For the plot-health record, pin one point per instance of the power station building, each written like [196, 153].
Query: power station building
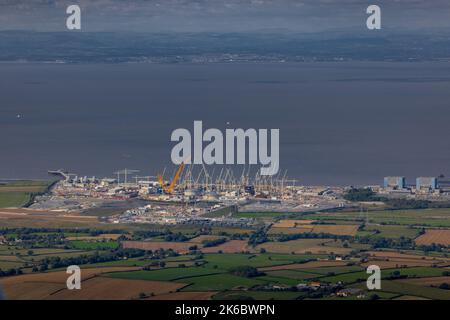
[394, 183]
[426, 184]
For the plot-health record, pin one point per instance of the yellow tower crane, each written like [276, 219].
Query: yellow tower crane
[169, 189]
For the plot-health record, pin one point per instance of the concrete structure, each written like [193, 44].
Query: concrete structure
[394, 183]
[426, 184]
[191, 192]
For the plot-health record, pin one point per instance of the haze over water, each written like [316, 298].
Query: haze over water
[340, 123]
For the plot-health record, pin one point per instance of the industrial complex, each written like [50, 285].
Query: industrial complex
[193, 196]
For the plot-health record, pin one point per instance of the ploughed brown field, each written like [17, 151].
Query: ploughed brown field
[101, 288]
[42, 285]
[430, 281]
[180, 247]
[398, 255]
[302, 229]
[291, 223]
[434, 236]
[403, 263]
[315, 246]
[292, 227]
[200, 239]
[19, 218]
[232, 246]
[340, 230]
[386, 259]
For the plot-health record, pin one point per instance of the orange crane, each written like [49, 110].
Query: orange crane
[169, 189]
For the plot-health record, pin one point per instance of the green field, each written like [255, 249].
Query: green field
[227, 261]
[212, 264]
[13, 199]
[278, 280]
[218, 282]
[184, 257]
[94, 245]
[390, 231]
[260, 215]
[132, 262]
[26, 183]
[5, 265]
[420, 217]
[66, 254]
[16, 257]
[362, 275]
[294, 257]
[18, 193]
[402, 288]
[19, 251]
[336, 270]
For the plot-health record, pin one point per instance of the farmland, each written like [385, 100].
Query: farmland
[434, 236]
[340, 230]
[18, 193]
[414, 291]
[209, 275]
[352, 277]
[181, 247]
[422, 217]
[390, 231]
[292, 227]
[93, 245]
[232, 246]
[304, 256]
[428, 281]
[306, 265]
[43, 285]
[286, 223]
[116, 289]
[13, 199]
[315, 246]
[219, 282]
[166, 274]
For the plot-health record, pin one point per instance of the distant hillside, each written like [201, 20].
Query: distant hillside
[83, 47]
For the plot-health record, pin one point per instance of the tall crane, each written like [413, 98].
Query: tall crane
[125, 173]
[169, 189]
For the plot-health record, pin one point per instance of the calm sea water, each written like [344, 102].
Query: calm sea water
[340, 123]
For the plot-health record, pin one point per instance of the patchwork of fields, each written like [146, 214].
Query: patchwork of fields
[210, 278]
[298, 256]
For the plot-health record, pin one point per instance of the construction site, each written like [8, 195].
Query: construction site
[190, 194]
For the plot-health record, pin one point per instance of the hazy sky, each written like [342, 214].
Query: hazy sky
[222, 15]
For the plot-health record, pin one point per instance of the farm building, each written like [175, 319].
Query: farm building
[349, 292]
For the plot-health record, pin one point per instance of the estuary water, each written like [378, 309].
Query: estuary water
[340, 123]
